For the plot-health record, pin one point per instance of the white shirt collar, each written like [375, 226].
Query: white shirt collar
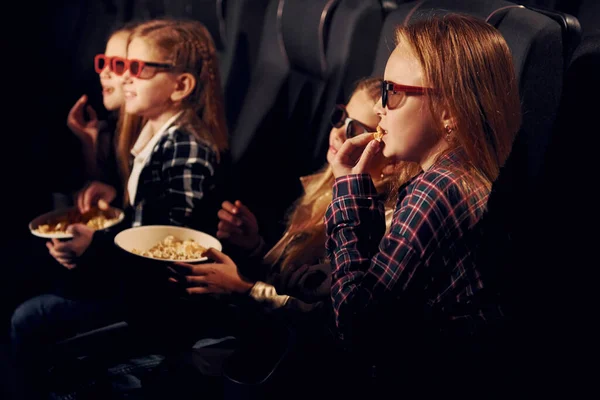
[142, 149]
[142, 144]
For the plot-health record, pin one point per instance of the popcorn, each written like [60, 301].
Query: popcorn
[379, 134]
[172, 248]
[94, 219]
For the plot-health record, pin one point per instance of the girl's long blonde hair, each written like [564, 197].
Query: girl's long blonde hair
[190, 48]
[304, 238]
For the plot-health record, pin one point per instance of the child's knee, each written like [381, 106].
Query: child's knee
[29, 318]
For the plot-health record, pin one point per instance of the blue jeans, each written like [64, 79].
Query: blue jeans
[40, 322]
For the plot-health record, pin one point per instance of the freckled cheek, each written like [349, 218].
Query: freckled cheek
[337, 137]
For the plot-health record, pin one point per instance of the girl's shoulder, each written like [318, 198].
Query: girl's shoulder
[438, 184]
[448, 172]
[184, 137]
[181, 143]
[452, 187]
[181, 134]
[438, 177]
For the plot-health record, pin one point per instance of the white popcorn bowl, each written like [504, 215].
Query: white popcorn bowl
[142, 238]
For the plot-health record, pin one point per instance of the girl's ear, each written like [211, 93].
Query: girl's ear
[448, 121]
[184, 85]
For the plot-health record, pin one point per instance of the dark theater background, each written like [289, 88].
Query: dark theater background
[47, 64]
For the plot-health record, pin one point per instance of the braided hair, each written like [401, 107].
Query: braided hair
[189, 47]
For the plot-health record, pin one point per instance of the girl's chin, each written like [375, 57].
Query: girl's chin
[112, 100]
[111, 105]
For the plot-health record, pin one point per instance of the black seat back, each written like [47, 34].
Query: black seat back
[302, 67]
[566, 205]
[243, 27]
[588, 14]
[262, 110]
[284, 92]
[556, 297]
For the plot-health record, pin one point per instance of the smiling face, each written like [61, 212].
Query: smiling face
[112, 90]
[410, 131]
[360, 108]
[151, 97]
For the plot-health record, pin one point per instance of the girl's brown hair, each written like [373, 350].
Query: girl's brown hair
[128, 126]
[190, 48]
[128, 130]
[304, 238]
[470, 65]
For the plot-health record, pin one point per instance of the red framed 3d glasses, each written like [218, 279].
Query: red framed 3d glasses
[398, 92]
[137, 68]
[101, 61]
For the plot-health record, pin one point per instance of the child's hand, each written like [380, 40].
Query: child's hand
[67, 252]
[86, 131]
[238, 225]
[219, 277]
[95, 194]
[356, 155]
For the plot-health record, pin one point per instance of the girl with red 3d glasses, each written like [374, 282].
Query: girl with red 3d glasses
[413, 302]
[173, 85]
[170, 170]
[98, 136]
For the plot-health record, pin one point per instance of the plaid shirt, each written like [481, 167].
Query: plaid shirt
[173, 185]
[423, 266]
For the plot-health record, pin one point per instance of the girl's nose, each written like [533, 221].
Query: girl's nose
[338, 137]
[378, 109]
[126, 77]
[106, 73]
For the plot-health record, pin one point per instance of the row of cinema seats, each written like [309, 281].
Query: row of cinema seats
[278, 91]
[287, 62]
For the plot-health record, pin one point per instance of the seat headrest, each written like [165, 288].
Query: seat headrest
[483, 9]
[304, 28]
